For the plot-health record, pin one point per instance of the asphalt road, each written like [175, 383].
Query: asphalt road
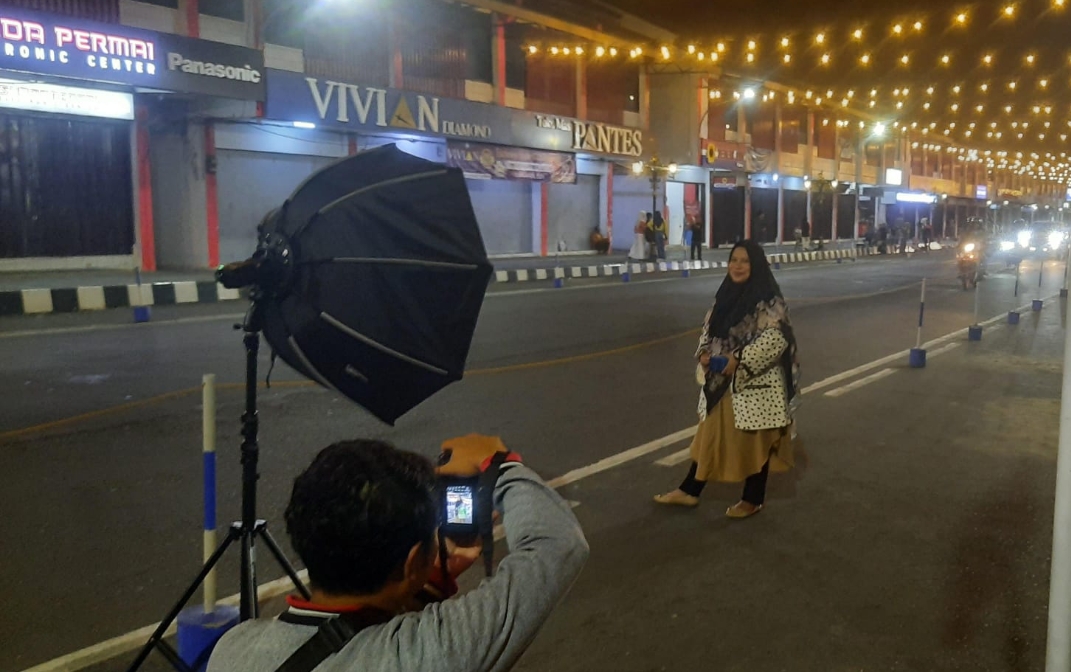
[847, 570]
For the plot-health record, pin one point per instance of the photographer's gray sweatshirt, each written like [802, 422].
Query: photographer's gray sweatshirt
[484, 630]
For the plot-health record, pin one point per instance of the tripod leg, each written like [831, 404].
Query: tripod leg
[249, 608]
[280, 557]
[158, 635]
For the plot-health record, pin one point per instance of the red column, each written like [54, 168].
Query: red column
[193, 18]
[146, 232]
[211, 196]
[544, 217]
[352, 144]
[610, 203]
[500, 61]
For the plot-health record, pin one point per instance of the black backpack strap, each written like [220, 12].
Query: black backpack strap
[332, 635]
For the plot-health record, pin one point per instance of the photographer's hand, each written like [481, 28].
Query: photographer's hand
[469, 455]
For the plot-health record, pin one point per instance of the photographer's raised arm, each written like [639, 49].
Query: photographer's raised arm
[487, 630]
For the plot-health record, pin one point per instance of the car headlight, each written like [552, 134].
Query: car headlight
[1024, 238]
[1056, 239]
[1006, 246]
[969, 247]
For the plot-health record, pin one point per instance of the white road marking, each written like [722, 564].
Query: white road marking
[862, 382]
[114, 327]
[940, 351]
[673, 459]
[621, 458]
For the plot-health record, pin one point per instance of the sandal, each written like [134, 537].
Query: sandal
[738, 512]
[677, 498]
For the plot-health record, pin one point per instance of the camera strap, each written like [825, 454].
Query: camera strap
[485, 512]
[333, 633]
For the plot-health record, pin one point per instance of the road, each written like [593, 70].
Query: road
[909, 502]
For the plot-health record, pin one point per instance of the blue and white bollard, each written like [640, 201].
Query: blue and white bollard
[141, 313]
[974, 332]
[625, 276]
[200, 627]
[1013, 315]
[559, 283]
[1037, 304]
[917, 357]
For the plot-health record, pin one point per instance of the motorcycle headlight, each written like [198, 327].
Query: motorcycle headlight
[1006, 246]
[969, 247]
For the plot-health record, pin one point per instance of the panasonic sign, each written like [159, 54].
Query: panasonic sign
[244, 73]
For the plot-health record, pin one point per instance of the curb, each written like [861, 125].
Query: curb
[78, 299]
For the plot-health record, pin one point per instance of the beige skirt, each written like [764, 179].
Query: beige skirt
[726, 454]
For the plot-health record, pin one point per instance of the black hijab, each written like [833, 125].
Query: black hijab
[734, 301]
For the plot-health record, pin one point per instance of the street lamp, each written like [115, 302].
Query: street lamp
[656, 171]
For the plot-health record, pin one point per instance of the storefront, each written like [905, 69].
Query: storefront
[539, 184]
[76, 101]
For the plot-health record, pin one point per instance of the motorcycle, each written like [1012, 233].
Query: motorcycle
[968, 259]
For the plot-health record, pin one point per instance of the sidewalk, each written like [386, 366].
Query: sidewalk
[33, 293]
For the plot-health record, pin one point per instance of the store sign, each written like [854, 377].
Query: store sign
[981, 192]
[495, 162]
[907, 197]
[722, 182]
[724, 155]
[294, 97]
[1011, 193]
[894, 177]
[66, 100]
[63, 46]
[596, 137]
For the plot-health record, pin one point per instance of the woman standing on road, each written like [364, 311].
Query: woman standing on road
[747, 357]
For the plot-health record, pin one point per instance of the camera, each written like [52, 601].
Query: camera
[460, 504]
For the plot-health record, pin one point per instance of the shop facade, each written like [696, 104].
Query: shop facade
[539, 184]
[78, 102]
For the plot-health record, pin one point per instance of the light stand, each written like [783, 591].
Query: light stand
[249, 528]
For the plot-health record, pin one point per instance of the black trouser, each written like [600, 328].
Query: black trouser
[754, 486]
[697, 249]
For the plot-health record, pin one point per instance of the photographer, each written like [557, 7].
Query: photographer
[363, 518]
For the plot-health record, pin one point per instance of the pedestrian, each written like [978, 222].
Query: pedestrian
[797, 235]
[761, 227]
[696, 253]
[805, 232]
[747, 369]
[639, 238]
[649, 237]
[661, 232]
[599, 242]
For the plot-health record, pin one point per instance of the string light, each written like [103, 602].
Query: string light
[864, 59]
[788, 58]
[988, 59]
[785, 42]
[1009, 11]
[858, 34]
[898, 29]
[820, 38]
[600, 52]
[961, 18]
[721, 47]
[905, 59]
[751, 45]
[918, 25]
[825, 59]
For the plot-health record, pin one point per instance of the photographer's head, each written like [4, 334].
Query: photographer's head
[363, 518]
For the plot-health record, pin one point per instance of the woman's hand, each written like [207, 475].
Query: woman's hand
[730, 368]
[704, 360]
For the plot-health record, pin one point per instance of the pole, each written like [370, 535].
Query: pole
[1058, 651]
[922, 311]
[208, 433]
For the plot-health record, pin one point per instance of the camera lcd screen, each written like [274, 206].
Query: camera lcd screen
[459, 501]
